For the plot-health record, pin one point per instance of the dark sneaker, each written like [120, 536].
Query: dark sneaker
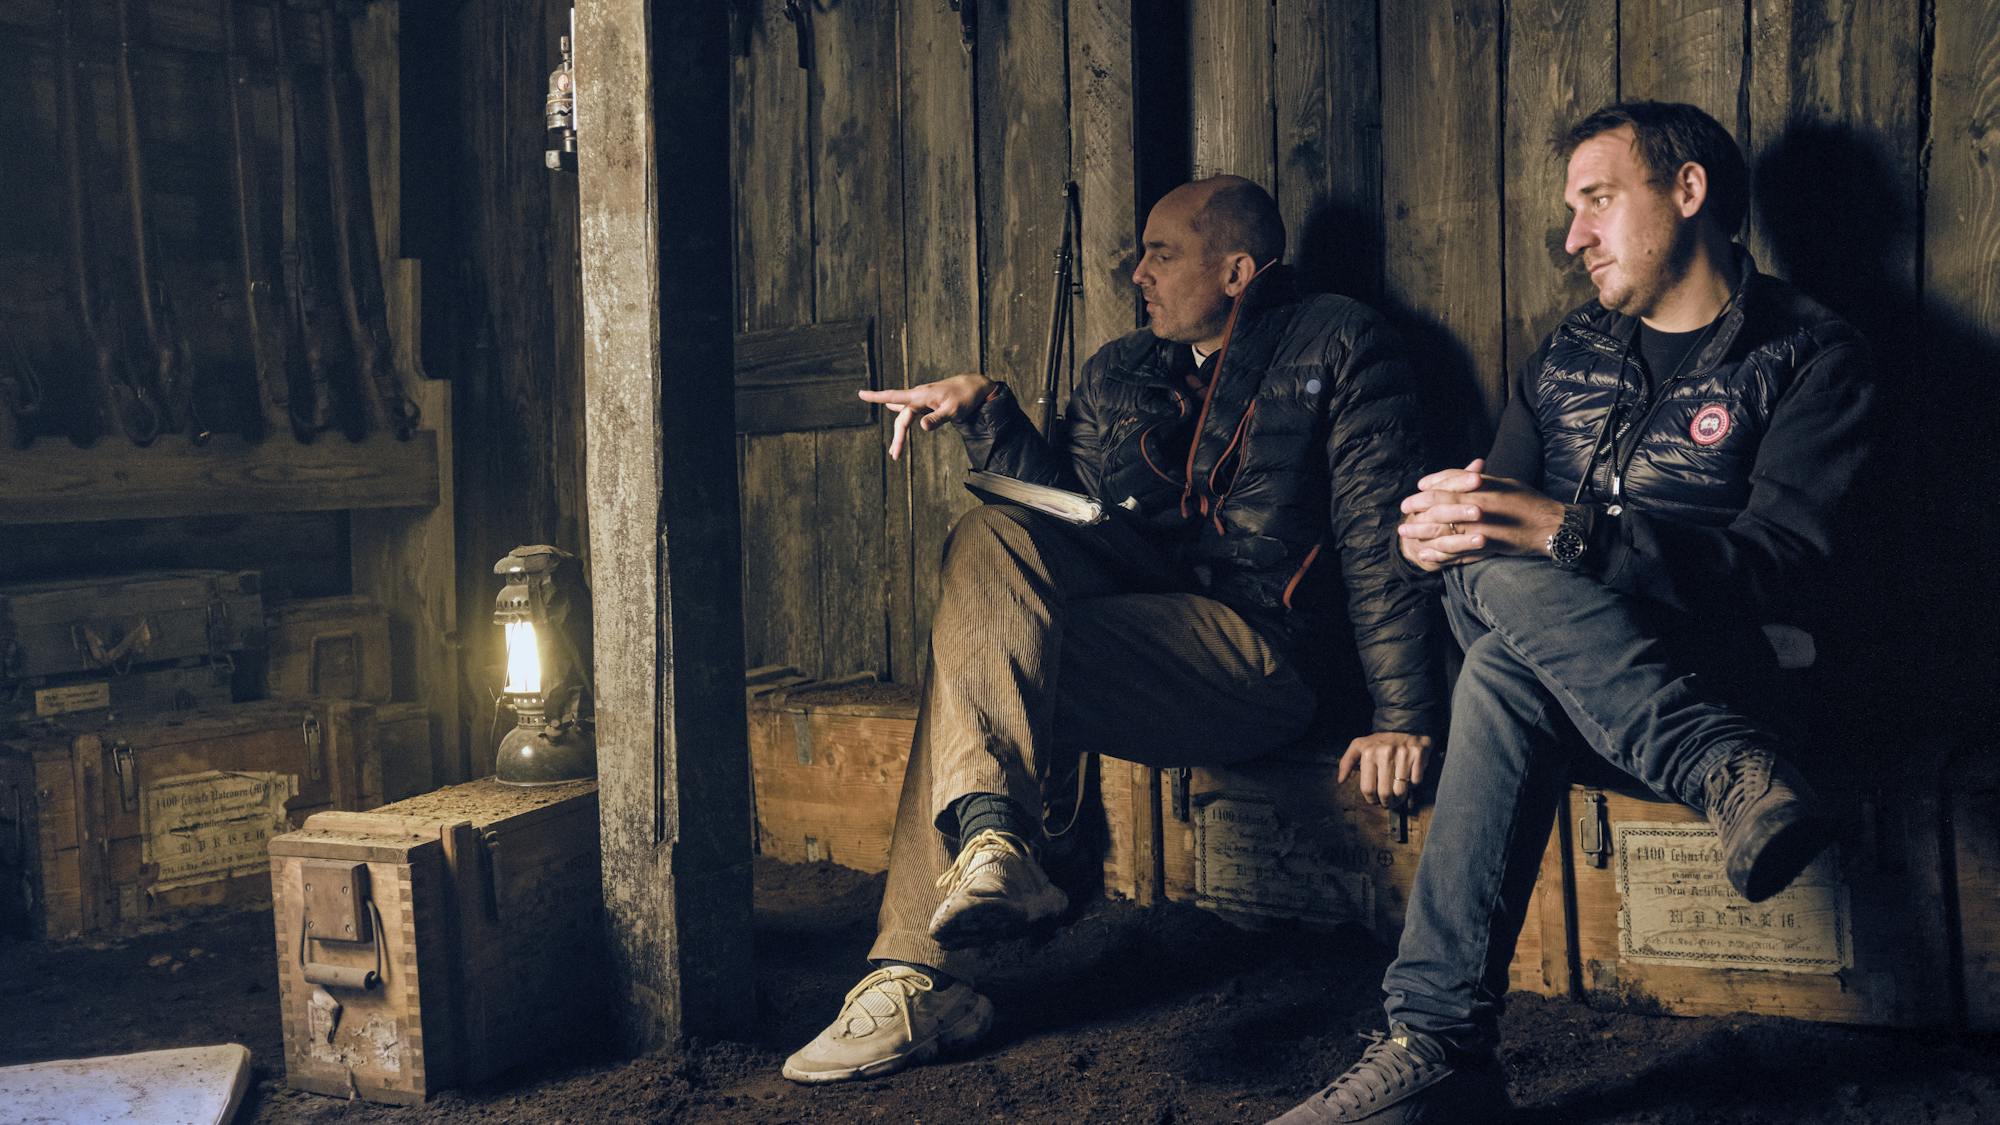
[1403, 1079]
[994, 891]
[1767, 818]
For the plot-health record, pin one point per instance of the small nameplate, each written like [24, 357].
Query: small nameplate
[1247, 859]
[71, 698]
[210, 826]
[1676, 907]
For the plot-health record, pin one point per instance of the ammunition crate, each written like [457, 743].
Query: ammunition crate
[335, 648]
[827, 761]
[1861, 937]
[107, 626]
[438, 941]
[142, 819]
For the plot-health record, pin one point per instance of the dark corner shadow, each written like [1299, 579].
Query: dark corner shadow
[1910, 650]
[1731, 1075]
[1340, 251]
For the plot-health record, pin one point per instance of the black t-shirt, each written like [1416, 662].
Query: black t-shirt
[1667, 354]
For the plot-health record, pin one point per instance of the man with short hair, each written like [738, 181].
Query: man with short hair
[1666, 479]
[1252, 448]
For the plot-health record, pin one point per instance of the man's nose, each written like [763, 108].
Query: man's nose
[1581, 235]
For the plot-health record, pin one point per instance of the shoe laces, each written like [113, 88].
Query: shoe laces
[1388, 1065]
[990, 845]
[884, 993]
[1736, 781]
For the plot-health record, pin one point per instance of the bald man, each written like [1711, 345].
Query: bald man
[1253, 446]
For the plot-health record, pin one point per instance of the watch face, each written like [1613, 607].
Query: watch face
[1566, 545]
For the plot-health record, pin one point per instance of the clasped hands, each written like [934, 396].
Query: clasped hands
[931, 405]
[1458, 516]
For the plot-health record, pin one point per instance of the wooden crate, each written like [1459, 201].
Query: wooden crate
[140, 819]
[76, 702]
[95, 626]
[1974, 802]
[481, 917]
[332, 647]
[1277, 840]
[827, 761]
[1860, 938]
[393, 748]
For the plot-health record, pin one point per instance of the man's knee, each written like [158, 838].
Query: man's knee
[988, 536]
[1506, 590]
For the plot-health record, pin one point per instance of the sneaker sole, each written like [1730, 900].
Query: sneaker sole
[1790, 851]
[969, 1029]
[986, 922]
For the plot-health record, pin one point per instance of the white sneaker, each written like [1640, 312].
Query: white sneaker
[893, 1018]
[993, 891]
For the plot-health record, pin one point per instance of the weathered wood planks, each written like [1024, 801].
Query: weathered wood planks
[771, 172]
[1561, 63]
[672, 762]
[1685, 51]
[857, 231]
[1440, 186]
[1327, 100]
[1230, 56]
[941, 277]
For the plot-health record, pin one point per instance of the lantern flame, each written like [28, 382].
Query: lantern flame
[524, 660]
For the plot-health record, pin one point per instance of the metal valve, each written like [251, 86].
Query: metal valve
[560, 109]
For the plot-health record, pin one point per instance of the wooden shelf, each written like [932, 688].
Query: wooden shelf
[54, 482]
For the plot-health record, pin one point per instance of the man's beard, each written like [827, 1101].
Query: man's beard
[1641, 296]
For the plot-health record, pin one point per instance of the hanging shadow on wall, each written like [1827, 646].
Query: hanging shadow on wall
[1909, 654]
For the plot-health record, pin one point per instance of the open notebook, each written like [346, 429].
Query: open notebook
[1058, 502]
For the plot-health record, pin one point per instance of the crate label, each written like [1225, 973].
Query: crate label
[1676, 907]
[209, 826]
[71, 698]
[1248, 859]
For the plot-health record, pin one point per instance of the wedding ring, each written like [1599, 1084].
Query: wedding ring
[1453, 527]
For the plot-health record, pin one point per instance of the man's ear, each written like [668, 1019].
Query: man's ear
[1241, 269]
[1690, 189]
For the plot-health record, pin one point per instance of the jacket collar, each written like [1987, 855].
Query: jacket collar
[1273, 288]
[1612, 332]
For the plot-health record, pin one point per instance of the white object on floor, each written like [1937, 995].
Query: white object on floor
[184, 1086]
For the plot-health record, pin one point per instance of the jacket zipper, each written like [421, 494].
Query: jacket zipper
[1146, 455]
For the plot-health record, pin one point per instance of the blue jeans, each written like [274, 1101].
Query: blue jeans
[1553, 660]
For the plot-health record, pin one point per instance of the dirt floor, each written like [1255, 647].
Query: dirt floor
[1126, 1015]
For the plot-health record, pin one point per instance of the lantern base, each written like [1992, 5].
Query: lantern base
[538, 754]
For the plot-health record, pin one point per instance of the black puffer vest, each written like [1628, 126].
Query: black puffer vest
[1686, 450]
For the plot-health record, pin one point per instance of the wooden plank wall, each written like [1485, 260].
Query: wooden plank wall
[497, 235]
[906, 178]
[1407, 145]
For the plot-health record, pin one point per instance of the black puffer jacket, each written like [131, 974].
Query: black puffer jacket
[1733, 479]
[1309, 438]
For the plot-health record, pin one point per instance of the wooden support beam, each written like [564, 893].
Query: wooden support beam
[55, 482]
[673, 763]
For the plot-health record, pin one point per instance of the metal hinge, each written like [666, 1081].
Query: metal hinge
[1399, 826]
[1593, 829]
[128, 776]
[309, 733]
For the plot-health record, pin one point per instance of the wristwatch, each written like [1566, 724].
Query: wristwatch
[1571, 538]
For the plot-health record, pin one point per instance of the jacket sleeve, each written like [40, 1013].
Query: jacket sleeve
[1810, 460]
[1000, 438]
[1375, 455]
